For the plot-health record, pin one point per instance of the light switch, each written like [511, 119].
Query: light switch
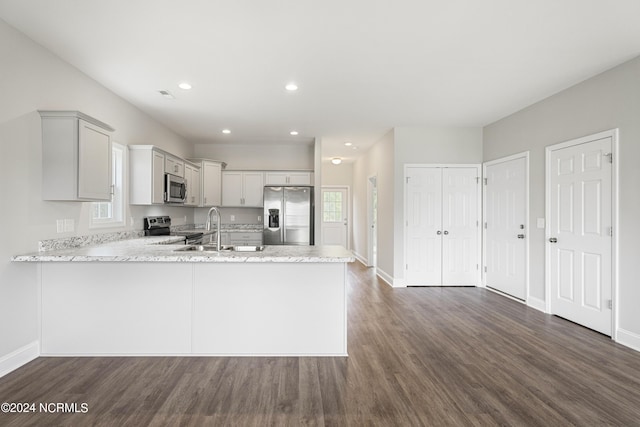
[232, 217]
[540, 223]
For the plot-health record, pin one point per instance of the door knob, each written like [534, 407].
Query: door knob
[446, 232]
[438, 232]
[553, 240]
[520, 236]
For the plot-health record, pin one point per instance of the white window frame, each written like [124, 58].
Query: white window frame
[118, 197]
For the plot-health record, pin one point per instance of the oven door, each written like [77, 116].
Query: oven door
[175, 190]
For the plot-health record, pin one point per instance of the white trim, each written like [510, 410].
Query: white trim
[628, 339]
[384, 276]
[479, 249]
[361, 259]
[348, 203]
[19, 357]
[613, 134]
[528, 234]
[370, 257]
[537, 303]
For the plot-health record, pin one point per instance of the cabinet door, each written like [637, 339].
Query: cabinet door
[232, 188]
[211, 183]
[299, 178]
[174, 166]
[253, 189]
[192, 179]
[157, 171]
[94, 162]
[276, 178]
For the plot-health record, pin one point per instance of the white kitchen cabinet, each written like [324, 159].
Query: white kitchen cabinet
[174, 165]
[192, 180]
[146, 172]
[243, 189]
[288, 178]
[76, 157]
[210, 181]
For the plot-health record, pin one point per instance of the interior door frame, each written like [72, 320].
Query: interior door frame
[348, 205]
[478, 168]
[372, 232]
[613, 134]
[528, 233]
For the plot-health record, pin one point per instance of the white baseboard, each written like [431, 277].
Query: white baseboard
[628, 339]
[360, 258]
[537, 303]
[388, 279]
[19, 357]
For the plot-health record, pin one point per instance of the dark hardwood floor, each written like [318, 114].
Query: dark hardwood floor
[417, 356]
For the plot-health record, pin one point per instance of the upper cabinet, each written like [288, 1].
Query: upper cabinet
[192, 180]
[288, 178]
[210, 183]
[76, 157]
[242, 189]
[146, 173]
[173, 165]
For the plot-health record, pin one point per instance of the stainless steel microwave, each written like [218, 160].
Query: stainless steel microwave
[175, 189]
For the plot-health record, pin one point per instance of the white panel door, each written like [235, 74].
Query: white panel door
[460, 226]
[505, 221]
[334, 216]
[424, 221]
[580, 246]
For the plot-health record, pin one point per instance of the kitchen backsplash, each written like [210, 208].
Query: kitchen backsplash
[232, 216]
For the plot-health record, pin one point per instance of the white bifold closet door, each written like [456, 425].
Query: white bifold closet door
[442, 226]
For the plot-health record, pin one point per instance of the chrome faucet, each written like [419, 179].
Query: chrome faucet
[214, 209]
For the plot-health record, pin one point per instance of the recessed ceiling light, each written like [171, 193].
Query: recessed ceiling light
[348, 144]
[294, 132]
[226, 131]
[336, 160]
[166, 94]
[184, 85]
[354, 148]
[291, 87]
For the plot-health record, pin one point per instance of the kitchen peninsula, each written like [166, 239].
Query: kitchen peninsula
[143, 297]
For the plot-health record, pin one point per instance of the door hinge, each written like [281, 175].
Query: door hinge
[485, 225]
[486, 180]
[477, 266]
[407, 179]
[610, 157]
[477, 179]
[610, 231]
[485, 268]
[477, 224]
[610, 304]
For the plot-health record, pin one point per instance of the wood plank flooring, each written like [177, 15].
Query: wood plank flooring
[417, 356]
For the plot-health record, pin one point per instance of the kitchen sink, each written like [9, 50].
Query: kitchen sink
[223, 248]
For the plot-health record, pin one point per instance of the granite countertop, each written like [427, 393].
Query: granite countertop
[162, 249]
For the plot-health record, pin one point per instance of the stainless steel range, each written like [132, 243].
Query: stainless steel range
[161, 226]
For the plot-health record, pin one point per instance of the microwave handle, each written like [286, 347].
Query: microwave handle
[183, 191]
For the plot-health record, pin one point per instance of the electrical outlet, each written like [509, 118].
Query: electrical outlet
[59, 225]
[232, 217]
[69, 225]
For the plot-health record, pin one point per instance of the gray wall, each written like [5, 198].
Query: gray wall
[607, 101]
[32, 79]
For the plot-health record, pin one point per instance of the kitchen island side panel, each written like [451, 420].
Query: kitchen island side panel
[279, 309]
[105, 308]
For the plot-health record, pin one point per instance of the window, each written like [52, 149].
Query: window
[111, 214]
[332, 206]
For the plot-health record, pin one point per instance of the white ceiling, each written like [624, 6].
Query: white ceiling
[363, 66]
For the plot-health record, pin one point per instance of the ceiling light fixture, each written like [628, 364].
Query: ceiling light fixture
[184, 86]
[291, 87]
[166, 94]
[348, 144]
[226, 131]
[294, 132]
[336, 160]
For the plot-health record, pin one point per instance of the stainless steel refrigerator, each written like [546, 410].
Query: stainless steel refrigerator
[288, 215]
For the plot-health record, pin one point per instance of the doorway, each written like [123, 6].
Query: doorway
[506, 222]
[335, 216]
[581, 212]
